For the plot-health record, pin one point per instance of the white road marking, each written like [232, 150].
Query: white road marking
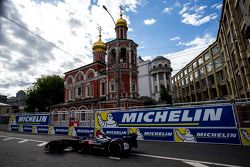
[115, 158]
[195, 164]
[23, 141]
[186, 160]
[42, 144]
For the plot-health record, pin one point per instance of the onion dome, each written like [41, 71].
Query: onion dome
[121, 22]
[99, 46]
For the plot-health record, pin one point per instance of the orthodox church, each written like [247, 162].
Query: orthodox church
[110, 81]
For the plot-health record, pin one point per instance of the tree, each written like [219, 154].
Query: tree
[164, 96]
[46, 91]
[147, 101]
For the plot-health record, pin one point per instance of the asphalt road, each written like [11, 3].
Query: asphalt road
[26, 150]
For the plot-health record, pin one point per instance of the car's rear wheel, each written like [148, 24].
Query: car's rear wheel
[115, 149]
[56, 147]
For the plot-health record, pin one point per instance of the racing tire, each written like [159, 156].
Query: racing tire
[115, 149]
[56, 147]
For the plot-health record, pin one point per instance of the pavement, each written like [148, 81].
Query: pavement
[26, 150]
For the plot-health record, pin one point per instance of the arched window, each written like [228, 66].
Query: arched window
[123, 55]
[132, 57]
[133, 86]
[160, 65]
[113, 56]
[112, 85]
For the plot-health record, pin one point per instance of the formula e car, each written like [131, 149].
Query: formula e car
[104, 144]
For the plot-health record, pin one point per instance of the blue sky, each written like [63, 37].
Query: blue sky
[156, 37]
[176, 29]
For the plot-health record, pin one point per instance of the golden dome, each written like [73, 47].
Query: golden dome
[121, 22]
[99, 46]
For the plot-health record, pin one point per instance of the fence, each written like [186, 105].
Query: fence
[224, 122]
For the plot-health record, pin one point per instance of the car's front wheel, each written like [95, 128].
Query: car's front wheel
[115, 149]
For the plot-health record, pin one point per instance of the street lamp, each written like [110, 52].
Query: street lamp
[117, 68]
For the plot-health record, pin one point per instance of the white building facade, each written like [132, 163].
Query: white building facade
[153, 74]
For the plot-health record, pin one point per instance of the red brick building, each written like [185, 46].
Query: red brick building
[97, 85]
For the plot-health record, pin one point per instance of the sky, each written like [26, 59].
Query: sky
[46, 37]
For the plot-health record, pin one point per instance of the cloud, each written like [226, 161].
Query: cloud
[149, 21]
[175, 38]
[180, 59]
[195, 15]
[167, 10]
[70, 25]
[217, 6]
[194, 48]
[196, 19]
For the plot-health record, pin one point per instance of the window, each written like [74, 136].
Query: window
[197, 85]
[112, 85]
[156, 88]
[154, 76]
[83, 116]
[238, 80]
[196, 75]
[113, 56]
[185, 72]
[217, 62]
[88, 90]
[70, 94]
[123, 55]
[189, 68]
[63, 116]
[181, 74]
[182, 82]
[79, 91]
[166, 65]
[160, 65]
[207, 56]
[133, 57]
[187, 81]
[200, 61]
[209, 67]
[246, 35]
[161, 76]
[194, 65]
[133, 86]
[102, 88]
[219, 76]
[215, 50]
[191, 78]
[202, 73]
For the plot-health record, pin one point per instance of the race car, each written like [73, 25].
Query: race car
[103, 144]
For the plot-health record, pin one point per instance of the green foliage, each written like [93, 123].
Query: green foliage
[147, 101]
[46, 91]
[164, 96]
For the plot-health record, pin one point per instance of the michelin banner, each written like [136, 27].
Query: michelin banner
[142, 133]
[245, 136]
[15, 128]
[205, 116]
[34, 119]
[84, 131]
[207, 135]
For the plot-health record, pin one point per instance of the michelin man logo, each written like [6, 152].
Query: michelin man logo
[139, 135]
[186, 137]
[245, 134]
[108, 123]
